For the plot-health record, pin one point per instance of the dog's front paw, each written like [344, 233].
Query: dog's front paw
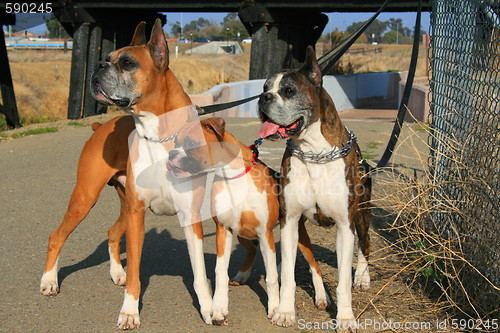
[118, 276]
[128, 321]
[362, 281]
[206, 312]
[49, 285]
[219, 318]
[219, 311]
[283, 318]
[323, 303]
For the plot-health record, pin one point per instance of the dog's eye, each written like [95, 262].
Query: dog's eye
[289, 91]
[125, 63]
[190, 144]
[266, 87]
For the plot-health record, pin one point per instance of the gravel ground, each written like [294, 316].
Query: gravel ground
[37, 177]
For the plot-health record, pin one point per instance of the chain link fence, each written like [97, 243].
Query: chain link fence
[465, 140]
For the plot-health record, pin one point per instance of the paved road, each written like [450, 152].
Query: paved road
[37, 174]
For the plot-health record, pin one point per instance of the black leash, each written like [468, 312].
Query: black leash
[329, 59]
[396, 130]
[203, 110]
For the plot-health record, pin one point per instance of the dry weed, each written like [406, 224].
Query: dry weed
[434, 248]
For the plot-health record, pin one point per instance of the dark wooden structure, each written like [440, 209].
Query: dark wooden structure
[9, 106]
[99, 27]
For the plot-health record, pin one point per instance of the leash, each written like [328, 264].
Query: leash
[329, 59]
[396, 130]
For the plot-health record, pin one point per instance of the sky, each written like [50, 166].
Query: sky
[340, 20]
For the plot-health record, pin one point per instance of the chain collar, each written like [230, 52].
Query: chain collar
[323, 157]
[173, 136]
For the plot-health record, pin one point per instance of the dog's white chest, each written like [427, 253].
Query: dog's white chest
[150, 171]
[312, 185]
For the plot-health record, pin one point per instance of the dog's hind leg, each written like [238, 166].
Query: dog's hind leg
[246, 269]
[362, 274]
[115, 234]
[85, 195]
[322, 300]
[362, 223]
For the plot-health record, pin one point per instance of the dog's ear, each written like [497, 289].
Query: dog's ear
[287, 62]
[158, 46]
[310, 68]
[139, 35]
[217, 125]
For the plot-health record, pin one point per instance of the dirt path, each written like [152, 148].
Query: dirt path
[37, 177]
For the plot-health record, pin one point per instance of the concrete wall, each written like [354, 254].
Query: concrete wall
[418, 105]
[347, 91]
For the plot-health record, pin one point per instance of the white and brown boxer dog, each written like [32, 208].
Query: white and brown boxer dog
[251, 213]
[323, 180]
[137, 77]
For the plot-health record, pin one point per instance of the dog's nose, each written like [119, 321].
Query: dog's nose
[172, 154]
[102, 65]
[267, 97]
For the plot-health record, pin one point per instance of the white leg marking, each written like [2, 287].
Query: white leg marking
[285, 316]
[269, 257]
[221, 298]
[201, 287]
[48, 284]
[129, 314]
[322, 301]
[362, 275]
[116, 270]
[345, 248]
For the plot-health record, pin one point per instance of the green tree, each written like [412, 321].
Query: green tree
[231, 26]
[334, 37]
[376, 28]
[395, 24]
[393, 37]
[176, 29]
[55, 28]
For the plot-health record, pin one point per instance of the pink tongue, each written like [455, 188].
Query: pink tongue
[268, 128]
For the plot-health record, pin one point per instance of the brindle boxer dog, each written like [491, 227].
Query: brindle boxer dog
[324, 180]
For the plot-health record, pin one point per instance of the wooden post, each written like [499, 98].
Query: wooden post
[107, 46]
[9, 108]
[273, 30]
[78, 65]
[93, 56]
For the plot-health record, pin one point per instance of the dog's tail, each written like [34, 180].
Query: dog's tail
[96, 125]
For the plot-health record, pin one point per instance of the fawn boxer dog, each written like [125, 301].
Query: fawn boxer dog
[136, 77]
[324, 180]
[253, 214]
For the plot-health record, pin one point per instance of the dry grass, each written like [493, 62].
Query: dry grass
[41, 78]
[434, 253]
[391, 58]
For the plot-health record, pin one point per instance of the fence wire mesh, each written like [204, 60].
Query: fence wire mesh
[465, 107]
